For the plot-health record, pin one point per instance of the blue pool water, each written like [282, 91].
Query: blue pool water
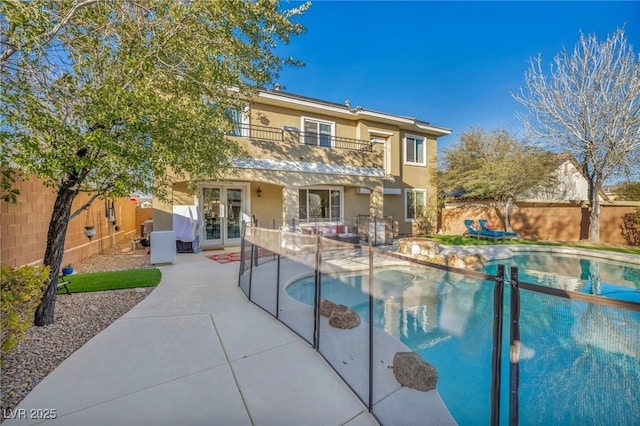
[580, 364]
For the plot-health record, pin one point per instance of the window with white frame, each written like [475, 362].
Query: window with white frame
[317, 132]
[415, 203]
[240, 117]
[415, 150]
[320, 203]
[386, 143]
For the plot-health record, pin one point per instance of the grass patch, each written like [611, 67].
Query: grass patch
[459, 240]
[116, 280]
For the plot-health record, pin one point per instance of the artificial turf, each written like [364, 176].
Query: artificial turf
[100, 281]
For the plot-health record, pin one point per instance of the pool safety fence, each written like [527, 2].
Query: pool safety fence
[356, 230]
[391, 303]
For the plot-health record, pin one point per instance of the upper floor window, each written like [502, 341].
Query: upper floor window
[415, 150]
[240, 118]
[386, 143]
[317, 132]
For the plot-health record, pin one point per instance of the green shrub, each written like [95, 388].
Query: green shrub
[22, 290]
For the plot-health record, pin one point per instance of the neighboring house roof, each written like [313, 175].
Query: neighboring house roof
[344, 110]
[571, 186]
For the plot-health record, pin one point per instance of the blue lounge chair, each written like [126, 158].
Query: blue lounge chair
[491, 235]
[510, 235]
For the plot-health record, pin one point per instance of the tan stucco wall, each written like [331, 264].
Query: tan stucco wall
[355, 204]
[279, 194]
[276, 116]
[269, 206]
[280, 188]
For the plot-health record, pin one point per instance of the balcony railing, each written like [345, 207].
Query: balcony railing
[258, 132]
[266, 133]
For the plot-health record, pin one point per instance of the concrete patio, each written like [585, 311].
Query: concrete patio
[195, 351]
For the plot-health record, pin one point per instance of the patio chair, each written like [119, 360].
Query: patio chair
[506, 234]
[478, 232]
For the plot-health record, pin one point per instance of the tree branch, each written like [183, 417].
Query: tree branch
[89, 202]
[12, 49]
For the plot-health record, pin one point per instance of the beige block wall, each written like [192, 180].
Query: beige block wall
[24, 225]
[544, 221]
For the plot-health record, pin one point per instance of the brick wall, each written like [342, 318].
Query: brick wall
[545, 221]
[23, 226]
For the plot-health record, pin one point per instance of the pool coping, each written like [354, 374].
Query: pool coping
[502, 252]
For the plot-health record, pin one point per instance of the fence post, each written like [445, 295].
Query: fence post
[375, 230]
[242, 259]
[251, 270]
[316, 297]
[496, 356]
[278, 286]
[254, 252]
[370, 404]
[514, 352]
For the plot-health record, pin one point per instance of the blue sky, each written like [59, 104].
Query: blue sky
[452, 64]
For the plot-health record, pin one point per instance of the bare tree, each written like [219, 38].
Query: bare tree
[588, 106]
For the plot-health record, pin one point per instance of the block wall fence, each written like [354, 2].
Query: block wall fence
[24, 225]
[545, 221]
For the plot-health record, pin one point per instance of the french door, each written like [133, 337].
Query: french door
[224, 207]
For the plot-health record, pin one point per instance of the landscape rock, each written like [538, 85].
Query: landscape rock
[438, 259]
[418, 246]
[326, 307]
[474, 261]
[456, 261]
[343, 317]
[429, 251]
[413, 372]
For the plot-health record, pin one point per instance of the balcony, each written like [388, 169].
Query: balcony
[265, 133]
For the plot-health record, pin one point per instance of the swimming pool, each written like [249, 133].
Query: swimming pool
[588, 275]
[580, 363]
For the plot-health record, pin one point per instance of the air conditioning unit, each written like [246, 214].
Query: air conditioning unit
[163, 247]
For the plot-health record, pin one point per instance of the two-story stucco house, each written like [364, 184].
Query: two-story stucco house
[312, 160]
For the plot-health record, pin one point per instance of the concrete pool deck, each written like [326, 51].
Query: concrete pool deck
[195, 351]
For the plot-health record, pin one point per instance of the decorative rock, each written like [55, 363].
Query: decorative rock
[438, 259]
[456, 261]
[326, 307]
[474, 261]
[343, 317]
[418, 246]
[413, 372]
[429, 251]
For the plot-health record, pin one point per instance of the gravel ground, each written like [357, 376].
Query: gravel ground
[78, 317]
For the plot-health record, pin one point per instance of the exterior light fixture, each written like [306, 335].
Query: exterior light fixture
[259, 192]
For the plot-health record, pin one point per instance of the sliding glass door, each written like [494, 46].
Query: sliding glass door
[224, 207]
